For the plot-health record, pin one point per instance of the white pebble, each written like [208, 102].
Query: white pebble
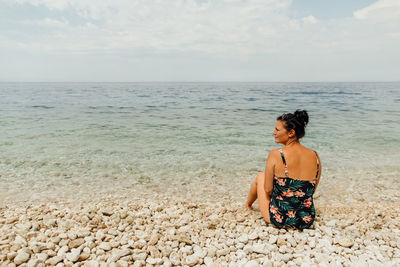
[192, 260]
[243, 239]
[252, 263]
[105, 246]
[21, 257]
[273, 239]
[74, 255]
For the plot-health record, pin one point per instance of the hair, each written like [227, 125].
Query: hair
[296, 121]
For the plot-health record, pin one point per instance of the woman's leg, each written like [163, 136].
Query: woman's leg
[257, 191]
[252, 193]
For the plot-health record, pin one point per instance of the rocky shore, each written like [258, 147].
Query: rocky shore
[197, 224]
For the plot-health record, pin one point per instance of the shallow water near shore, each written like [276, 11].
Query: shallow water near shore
[59, 135]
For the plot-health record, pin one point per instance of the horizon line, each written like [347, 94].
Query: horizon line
[382, 81]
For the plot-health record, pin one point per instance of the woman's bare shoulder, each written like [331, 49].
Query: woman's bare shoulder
[274, 153]
[308, 150]
[310, 154]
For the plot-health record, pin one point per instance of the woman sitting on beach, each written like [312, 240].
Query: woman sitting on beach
[285, 191]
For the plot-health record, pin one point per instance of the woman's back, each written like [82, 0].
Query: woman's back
[301, 163]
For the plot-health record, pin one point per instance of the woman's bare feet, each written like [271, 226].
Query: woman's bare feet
[248, 206]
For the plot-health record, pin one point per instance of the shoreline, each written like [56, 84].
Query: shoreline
[199, 223]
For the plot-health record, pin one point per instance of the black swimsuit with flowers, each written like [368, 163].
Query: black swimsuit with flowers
[292, 201]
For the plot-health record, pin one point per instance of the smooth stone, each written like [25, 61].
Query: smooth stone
[42, 257]
[33, 263]
[153, 239]
[154, 261]
[311, 243]
[141, 234]
[51, 246]
[139, 244]
[192, 260]
[140, 256]
[267, 263]
[211, 251]
[281, 242]
[239, 245]
[74, 255]
[260, 249]
[223, 252]
[116, 256]
[11, 220]
[167, 262]
[122, 263]
[20, 240]
[100, 235]
[243, 239]
[107, 212]
[186, 250]
[253, 236]
[84, 256]
[139, 263]
[242, 261]
[292, 241]
[174, 258]
[248, 249]
[208, 261]
[76, 243]
[11, 255]
[273, 239]
[331, 223]
[252, 263]
[105, 246]
[21, 257]
[346, 242]
[54, 260]
[113, 232]
[92, 263]
[72, 236]
[63, 236]
[322, 258]
[287, 257]
[62, 251]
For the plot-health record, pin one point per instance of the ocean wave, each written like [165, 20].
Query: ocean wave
[42, 106]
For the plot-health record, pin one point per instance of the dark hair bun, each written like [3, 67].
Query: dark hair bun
[296, 121]
[301, 117]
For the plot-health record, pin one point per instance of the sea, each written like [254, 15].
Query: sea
[89, 133]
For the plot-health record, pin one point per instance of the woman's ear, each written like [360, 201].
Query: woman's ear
[291, 133]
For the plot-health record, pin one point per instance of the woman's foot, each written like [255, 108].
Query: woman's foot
[248, 206]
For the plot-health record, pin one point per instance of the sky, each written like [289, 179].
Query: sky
[199, 40]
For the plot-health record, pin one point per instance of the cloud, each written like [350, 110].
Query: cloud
[208, 26]
[310, 19]
[47, 23]
[381, 10]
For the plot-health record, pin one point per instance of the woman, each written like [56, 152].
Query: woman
[285, 191]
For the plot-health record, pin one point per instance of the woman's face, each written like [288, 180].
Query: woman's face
[280, 133]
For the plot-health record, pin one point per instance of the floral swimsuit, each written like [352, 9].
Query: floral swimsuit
[291, 202]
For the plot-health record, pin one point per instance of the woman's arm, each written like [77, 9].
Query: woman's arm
[269, 173]
[319, 170]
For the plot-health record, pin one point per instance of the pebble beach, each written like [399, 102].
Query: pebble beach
[200, 224]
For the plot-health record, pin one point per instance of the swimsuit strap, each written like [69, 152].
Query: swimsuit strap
[284, 162]
[316, 177]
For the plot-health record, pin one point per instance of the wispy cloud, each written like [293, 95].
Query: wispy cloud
[208, 26]
[380, 11]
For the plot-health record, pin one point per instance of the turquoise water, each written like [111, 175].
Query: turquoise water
[161, 131]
